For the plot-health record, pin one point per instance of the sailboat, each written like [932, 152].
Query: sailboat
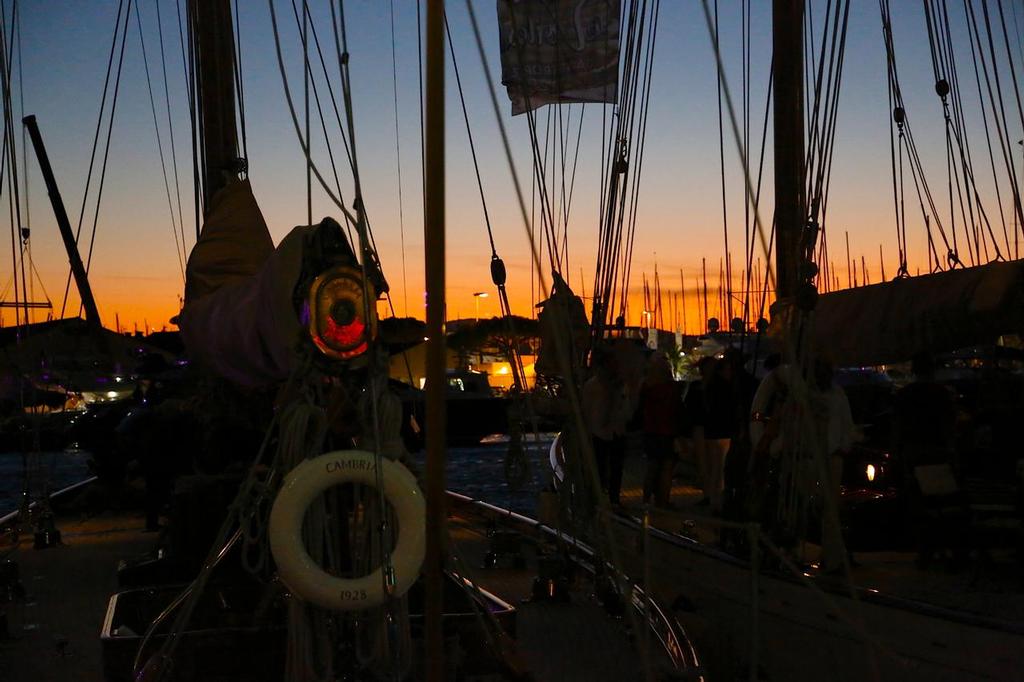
[305, 563]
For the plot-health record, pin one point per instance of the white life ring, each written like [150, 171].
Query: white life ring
[297, 569]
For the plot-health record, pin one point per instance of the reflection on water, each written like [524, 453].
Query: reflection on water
[477, 471]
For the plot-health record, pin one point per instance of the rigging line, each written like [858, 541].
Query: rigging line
[95, 142]
[24, 131]
[188, 67]
[367, 242]
[14, 186]
[303, 143]
[966, 161]
[745, 105]
[721, 150]
[988, 137]
[770, 273]
[469, 134]
[170, 125]
[198, 115]
[547, 219]
[814, 106]
[572, 180]
[831, 109]
[419, 106]
[640, 141]
[624, 137]
[570, 386]
[15, 251]
[33, 270]
[515, 360]
[304, 32]
[917, 168]
[1009, 59]
[398, 159]
[750, 246]
[998, 114]
[240, 85]
[178, 247]
[323, 120]
[106, 150]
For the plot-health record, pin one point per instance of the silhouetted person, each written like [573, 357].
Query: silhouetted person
[607, 409]
[716, 426]
[660, 408]
[924, 443]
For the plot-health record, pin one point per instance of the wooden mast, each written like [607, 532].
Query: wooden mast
[790, 200]
[434, 226]
[215, 75]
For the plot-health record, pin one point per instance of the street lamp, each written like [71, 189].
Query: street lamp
[476, 299]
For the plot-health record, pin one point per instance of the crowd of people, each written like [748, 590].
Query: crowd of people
[728, 423]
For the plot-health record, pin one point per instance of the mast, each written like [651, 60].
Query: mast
[434, 227]
[215, 53]
[790, 200]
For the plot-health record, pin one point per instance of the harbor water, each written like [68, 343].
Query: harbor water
[478, 472]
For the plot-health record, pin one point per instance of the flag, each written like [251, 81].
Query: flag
[558, 51]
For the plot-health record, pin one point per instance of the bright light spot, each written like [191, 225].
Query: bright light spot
[111, 394]
[118, 379]
[503, 370]
[871, 472]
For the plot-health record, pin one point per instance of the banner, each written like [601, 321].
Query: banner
[559, 51]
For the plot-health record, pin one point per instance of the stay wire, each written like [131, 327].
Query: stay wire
[303, 142]
[170, 125]
[998, 112]
[398, 161]
[469, 135]
[14, 184]
[95, 142]
[106, 150]
[178, 245]
[188, 66]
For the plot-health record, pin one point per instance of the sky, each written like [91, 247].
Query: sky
[137, 275]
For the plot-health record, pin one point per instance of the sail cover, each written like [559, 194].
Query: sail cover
[559, 51]
[941, 312]
[239, 318]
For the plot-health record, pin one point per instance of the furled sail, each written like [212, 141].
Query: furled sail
[559, 51]
[239, 317]
[940, 312]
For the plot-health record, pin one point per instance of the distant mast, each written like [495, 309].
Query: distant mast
[790, 201]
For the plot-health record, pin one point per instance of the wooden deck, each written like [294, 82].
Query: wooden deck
[54, 631]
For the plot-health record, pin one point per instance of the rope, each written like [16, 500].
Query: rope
[303, 142]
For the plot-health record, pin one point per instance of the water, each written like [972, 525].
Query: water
[478, 472]
[59, 469]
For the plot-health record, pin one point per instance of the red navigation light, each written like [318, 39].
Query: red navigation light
[339, 323]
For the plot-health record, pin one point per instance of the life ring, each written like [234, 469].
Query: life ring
[296, 568]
